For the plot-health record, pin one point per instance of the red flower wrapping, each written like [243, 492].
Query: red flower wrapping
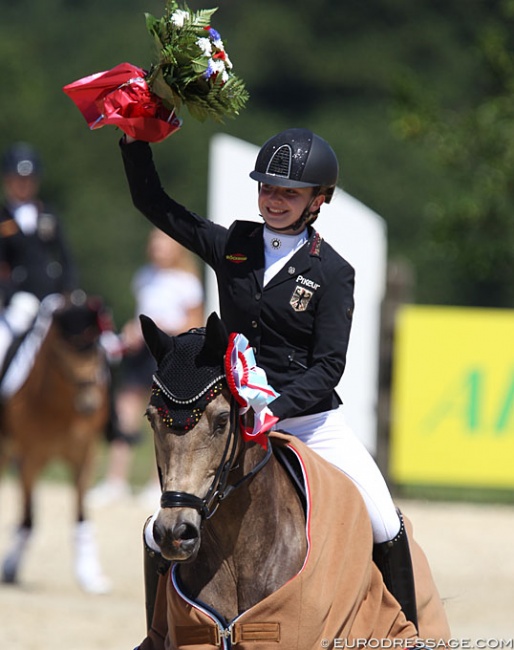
[121, 97]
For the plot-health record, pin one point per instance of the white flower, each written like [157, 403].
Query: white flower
[217, 65]
[178, 17]
[219, 44]
[224, 76]
[205, 45]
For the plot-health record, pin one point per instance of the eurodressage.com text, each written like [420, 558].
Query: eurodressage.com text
[419, 644]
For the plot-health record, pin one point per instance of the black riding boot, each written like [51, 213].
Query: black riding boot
[394, 561]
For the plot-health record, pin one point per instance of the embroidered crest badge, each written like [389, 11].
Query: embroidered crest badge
[236, 258]
[300, 299]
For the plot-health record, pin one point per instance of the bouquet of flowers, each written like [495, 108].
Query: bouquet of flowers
[192, 69]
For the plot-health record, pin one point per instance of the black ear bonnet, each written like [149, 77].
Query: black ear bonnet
[190, 370]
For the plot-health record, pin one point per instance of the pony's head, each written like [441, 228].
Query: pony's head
[81, 319]
[194, 422]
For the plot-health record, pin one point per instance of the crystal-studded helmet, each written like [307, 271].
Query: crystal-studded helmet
[297, 158]
[21, 159]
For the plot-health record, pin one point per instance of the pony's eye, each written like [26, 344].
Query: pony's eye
[150, 416]
[220, 422]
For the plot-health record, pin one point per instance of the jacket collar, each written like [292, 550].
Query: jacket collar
[300, 262]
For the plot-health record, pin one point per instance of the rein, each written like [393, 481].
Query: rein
[219, 488]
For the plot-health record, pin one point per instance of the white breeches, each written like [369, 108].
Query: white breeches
[328, 434]
[16, 319]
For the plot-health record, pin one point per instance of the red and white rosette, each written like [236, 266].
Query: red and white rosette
[249, 385]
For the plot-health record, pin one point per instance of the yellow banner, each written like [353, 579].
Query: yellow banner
[453, 397]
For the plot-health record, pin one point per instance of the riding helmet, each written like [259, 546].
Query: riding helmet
[21, 159]
[297, 158]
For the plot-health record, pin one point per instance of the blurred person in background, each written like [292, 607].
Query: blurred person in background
[35, 260]
[169, 290]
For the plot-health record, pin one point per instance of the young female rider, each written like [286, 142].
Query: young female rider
[287, 290]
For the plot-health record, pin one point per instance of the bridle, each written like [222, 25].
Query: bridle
[220, 487]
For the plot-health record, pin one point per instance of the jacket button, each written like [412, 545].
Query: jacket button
[255, 324]
[258, 296]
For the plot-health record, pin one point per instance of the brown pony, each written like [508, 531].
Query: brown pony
[268, 544]
[57, 410]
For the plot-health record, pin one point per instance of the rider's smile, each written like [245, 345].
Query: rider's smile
[281, 207]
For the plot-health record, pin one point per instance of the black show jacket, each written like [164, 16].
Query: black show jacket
[41, 262]
[299, 323]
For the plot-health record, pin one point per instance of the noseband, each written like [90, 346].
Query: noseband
[219, 488]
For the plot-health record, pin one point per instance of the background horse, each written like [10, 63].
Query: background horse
[268, 547]
[57, 409]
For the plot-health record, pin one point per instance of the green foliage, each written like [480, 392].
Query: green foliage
[329, 66]
[471, 232]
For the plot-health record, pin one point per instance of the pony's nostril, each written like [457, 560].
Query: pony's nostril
[158, 534]
[185, 532]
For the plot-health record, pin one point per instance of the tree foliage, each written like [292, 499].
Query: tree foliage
[331, 66]
[471, 233]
